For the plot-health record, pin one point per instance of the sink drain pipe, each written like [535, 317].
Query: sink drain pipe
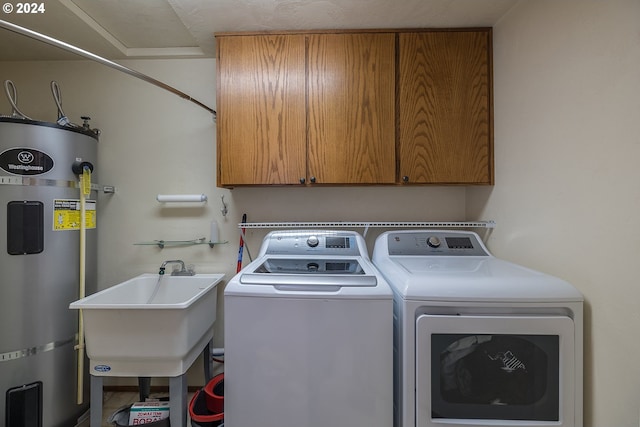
[83, 170]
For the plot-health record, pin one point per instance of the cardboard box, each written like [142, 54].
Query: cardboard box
[147, 412]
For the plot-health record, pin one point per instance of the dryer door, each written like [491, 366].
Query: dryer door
[488, 370]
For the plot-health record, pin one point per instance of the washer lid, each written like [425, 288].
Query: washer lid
[310, 266]
[308, 272]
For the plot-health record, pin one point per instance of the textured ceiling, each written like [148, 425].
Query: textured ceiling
[118, 29]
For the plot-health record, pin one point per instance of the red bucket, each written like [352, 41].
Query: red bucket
[200, 415]
[214, 392]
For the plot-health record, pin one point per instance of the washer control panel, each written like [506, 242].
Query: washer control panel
[435, 243]
[318, 242]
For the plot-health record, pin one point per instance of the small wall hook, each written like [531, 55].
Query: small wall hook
[224, 208]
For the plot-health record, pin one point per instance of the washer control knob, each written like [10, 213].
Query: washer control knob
[313, 241]
[433, 241]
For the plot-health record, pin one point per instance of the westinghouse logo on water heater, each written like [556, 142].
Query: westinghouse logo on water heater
[25, 157]
[25, 161]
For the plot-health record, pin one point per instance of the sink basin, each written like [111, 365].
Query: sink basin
[150, 325]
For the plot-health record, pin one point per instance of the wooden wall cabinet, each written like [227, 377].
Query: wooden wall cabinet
[377, 107]
[306, 109]
[261, 104]
[445, 107]
[351, 108]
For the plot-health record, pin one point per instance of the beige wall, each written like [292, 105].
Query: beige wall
[155, 142]
[567, 193]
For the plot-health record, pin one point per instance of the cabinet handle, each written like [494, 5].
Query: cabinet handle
[302, 180]
[313, 179]
[405, 178]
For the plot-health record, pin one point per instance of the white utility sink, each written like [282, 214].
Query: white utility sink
[150, 325]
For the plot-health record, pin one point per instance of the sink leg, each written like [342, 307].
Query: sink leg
[95, 402]
[177, 401]
[208, 361]
[144, 388]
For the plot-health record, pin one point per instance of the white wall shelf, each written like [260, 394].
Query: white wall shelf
[370, 224]
[174, 243]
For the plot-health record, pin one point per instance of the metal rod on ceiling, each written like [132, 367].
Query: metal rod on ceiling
[73, 49]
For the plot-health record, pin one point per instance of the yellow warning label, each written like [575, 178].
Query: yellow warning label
[66, 214]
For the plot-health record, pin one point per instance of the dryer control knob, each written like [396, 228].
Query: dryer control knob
[313, 241]
[433, 241]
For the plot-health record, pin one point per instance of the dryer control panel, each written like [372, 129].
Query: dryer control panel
[436, 243]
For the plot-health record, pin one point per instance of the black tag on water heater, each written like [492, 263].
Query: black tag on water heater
[25, 161]
[25, 227]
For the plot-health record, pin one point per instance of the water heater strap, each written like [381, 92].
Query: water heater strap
[32, 351]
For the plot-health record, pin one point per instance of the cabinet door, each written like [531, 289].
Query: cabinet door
[261, 121]
[351, 108]
[445, 129]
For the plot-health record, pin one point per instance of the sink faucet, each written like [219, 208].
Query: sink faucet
[182, 272]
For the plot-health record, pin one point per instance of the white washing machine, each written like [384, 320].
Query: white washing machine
[479, 341]
[309, 335]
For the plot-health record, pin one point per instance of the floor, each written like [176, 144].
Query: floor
[114, 400]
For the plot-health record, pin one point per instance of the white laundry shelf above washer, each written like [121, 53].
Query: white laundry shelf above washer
[372, 224]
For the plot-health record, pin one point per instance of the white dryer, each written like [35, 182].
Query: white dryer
[479, 341]
[309, 335]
